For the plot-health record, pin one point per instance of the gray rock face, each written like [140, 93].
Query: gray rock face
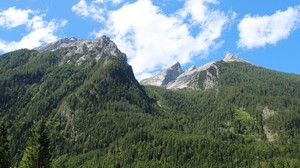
[72, 49]
[185, 79]
[56, 45]
[204, 77]
[165, 78]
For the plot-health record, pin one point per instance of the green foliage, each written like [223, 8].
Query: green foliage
[5, 157]
[244, 121]
[29, 158]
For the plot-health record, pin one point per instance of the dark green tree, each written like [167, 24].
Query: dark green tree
[37, 153]
[4, 146]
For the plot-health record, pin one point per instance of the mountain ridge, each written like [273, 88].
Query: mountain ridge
[185, 78]
[56, 44]
[78, 51]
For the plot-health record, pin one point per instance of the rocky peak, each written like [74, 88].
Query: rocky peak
[176, 67]
[232, 58]
[184, 79]
[166, 77]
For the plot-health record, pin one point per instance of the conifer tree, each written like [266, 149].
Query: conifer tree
[37, 153]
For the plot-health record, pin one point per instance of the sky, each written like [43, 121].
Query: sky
[155, 34]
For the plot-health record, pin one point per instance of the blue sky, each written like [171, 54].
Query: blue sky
[156, 34]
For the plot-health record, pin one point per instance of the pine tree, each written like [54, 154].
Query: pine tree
[4, 147]
[37, 153]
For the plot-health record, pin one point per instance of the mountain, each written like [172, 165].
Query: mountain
[203, 77]
[227, 113]
[243, 85]
[67, 84]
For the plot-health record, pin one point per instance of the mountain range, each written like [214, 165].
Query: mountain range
[227, 113]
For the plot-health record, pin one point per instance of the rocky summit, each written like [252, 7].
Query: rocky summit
[79, 51]
[232, 58]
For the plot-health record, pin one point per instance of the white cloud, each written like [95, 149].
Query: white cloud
[196, 9]
[258, 31]
[39, 30]
[94, 10]
[13, 17]
[153, 40]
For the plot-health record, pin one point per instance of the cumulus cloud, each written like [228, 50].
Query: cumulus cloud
[13, 17]
[39, 30]
[154, 40]
[258, 31]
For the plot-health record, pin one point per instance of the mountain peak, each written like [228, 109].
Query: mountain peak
[176, 67]
[232, 58]
[166, 77]
[184, 79]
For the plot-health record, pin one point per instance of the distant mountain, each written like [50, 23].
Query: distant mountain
[166, 77]
[227, 113]
[209, 74]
